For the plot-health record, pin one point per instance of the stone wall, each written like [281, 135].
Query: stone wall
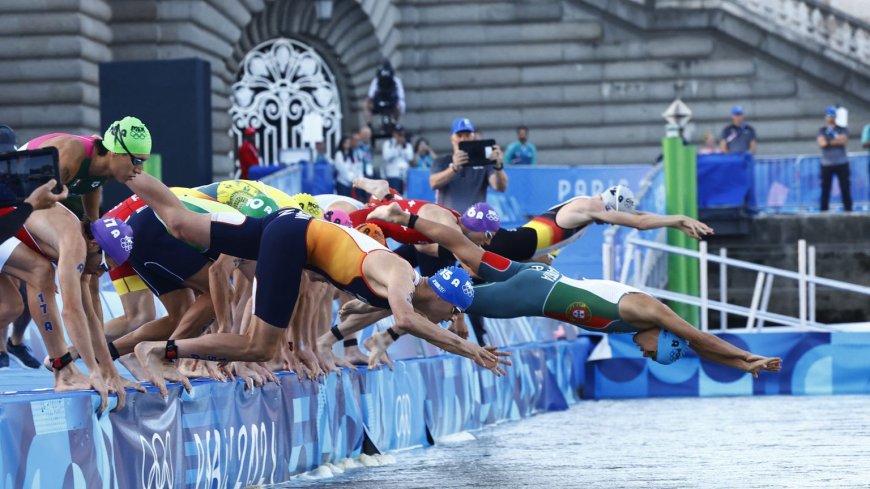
[589, 77]
[841, 254]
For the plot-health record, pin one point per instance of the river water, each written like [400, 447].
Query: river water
[739, 442]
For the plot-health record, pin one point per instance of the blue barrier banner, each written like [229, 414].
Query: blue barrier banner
[813, 363]
[287, 180]
[318, 178]
[725, 180]
[340, 432]
[791, 184]
[452, 395]
[531, 191]
[393, 407]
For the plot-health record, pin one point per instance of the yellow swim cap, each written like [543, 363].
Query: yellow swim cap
[309, 204]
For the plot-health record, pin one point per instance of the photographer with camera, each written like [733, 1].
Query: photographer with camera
[458, 182]
[832, 139]
[386, 95]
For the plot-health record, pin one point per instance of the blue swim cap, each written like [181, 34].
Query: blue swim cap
[670, 348]
[454, 286]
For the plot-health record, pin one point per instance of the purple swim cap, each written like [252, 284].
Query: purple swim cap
[481, 217]
[115, 237]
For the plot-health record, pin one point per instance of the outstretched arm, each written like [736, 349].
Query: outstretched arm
[644, 220]
[642, 309]
[400, 294]
[466, 251]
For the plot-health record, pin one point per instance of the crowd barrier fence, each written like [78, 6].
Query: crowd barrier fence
[792, 184]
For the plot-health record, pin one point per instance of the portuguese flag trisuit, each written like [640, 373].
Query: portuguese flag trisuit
[534, 289]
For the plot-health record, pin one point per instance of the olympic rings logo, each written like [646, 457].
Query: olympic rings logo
[160, 474]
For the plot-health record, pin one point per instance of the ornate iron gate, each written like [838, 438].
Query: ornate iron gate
[280, 82]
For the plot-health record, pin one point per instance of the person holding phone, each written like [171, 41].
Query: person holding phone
[41, 198]
[458, 184]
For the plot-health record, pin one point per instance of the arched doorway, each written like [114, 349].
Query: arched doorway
[279, 82]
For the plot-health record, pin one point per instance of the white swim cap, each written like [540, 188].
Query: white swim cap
[618, 198]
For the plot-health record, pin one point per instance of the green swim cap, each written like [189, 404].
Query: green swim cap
[132, 132]
[259, 206]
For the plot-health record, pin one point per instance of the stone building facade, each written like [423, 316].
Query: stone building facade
[589, 77]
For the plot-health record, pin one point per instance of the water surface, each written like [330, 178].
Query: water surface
[740, 442]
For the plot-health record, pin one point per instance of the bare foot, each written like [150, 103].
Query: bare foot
[268, 375]
[116, 384]
[151, 356]
[250, 377]
[378, 188]
[354, 356]
[307, 358]
[131, 363]
[389, 213]
[70, 378]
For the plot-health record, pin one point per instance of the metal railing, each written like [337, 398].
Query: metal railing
[650, 197]
[792, 184]
[757, 314]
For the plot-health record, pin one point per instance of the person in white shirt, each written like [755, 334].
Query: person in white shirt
[397, 153]
[347, 167]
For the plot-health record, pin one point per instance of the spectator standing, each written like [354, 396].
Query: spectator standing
[459, 185]
[320, 156]
[249, 155]
[710, 147]
[397, 153]
[347, 167]
[319, 176]
[364, 152]
[832, 139]
[521, 152]
[738, 137]
[424, 155]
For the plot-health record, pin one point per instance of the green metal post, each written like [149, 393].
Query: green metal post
[681, 190]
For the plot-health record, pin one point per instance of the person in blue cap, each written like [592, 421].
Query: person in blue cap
[513, 289]
[738, 137]
[459, 185]
[833, 139]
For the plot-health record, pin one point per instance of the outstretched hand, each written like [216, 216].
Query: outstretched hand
[490, 358]
[694, 228]
[756, 363]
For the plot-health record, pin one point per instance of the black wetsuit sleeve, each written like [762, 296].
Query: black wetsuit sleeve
[515, 244]
[408, 253]
[10, 223]
[496, 268]
[429, 265]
